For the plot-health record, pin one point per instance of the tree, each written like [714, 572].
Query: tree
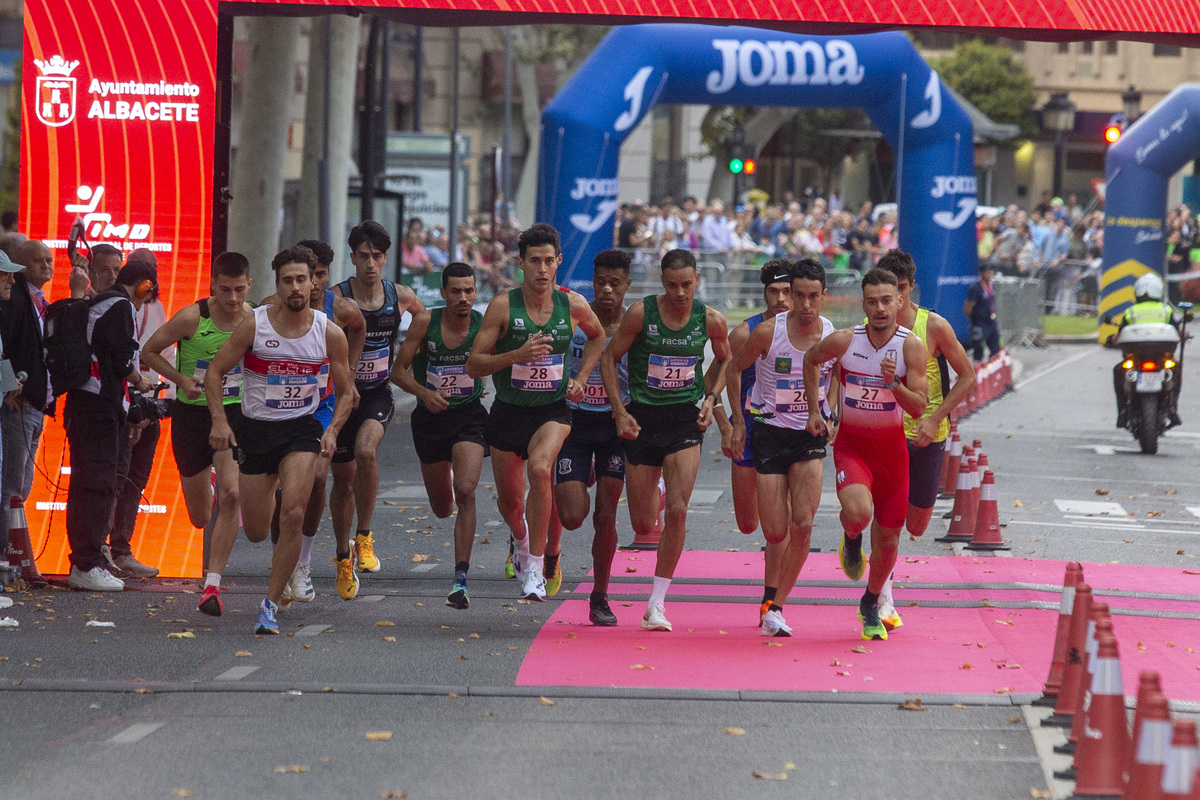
[996, 83]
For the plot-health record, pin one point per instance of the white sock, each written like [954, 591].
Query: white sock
[523, 547]
[659, 593]
[306, 543]
[536, 561]
[213, 579]
[886, 594]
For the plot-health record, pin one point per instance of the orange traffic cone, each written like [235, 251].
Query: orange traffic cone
[651, 539]
[976, 487]
[953, 459]
[1081, 612]
[967, 453]
[1179, 771]
[1104, 747]
[1050, 689]
[987, 518]
[1101, 622]
[20, 547]
[1151, 742]
[962, 518]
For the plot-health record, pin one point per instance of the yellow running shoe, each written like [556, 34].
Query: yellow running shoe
[872, 626]
[347, 581]
[554, 575]
[851, 559]
[510, 569]
[365, 546]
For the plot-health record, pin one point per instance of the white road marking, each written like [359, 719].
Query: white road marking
[313, 630]
[1087, 351]
[423, 567]
[1100, 526]
[706, 497]
[235, 673]
[370, 598]
[1130, 522]
[1194, 510]
[135, 733]
[1093, 507]
[404, 493]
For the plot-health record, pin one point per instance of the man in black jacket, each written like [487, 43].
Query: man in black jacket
[94, 416]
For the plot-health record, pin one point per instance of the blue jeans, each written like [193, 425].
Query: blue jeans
[21, 431]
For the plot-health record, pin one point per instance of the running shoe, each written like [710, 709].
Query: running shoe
[553, 574]
[347, 580]
[655, 618]
[773, 624]
[459, 597]
[888, 614]
[534, 584]
[301, 585]
[601, 614]
[763, 609]
[519, 563]
[365, 546]
[850, 556]
[510, 569]
[210, 601]
[267, 624]
[872, 626]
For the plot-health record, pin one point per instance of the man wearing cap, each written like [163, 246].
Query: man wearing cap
[94, 418]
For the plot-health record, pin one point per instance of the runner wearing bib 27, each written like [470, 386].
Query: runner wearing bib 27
[355, 468]
[283, 348]
[523, 343]
[882, 373]
[198, 331]
[788, 459]
[594, 451]
[448, 425]
[926, 435]
[665, 336]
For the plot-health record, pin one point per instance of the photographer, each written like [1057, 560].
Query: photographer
[94, 416]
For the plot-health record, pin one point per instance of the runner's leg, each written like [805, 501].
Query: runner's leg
[366, 475]
[295, 479]
[468, 466]
[543, 451]
[744, 482]
[604, 543]
[679, 472]
[804, 485]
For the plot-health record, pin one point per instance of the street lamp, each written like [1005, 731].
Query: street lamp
[1131, 100]
[1058, 115]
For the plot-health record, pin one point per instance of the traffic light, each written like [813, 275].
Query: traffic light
[1114, 129]
[748, 166]
[736, 165]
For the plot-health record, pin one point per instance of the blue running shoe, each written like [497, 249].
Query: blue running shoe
[459, 597]
[267, 624]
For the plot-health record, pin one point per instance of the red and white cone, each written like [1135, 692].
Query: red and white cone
[1179, 771]
[954, 458]
[1081, 612]
[1071, 577]
[987, 518]
[976, 487]
[967, 453]
[1103, 753]
[1100, 622]
[962, 517]
[20, 546]
[1151, 743]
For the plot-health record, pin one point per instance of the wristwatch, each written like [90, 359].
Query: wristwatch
[714, 396]
[895, 382]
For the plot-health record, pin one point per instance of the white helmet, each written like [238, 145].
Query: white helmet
[1149, 285]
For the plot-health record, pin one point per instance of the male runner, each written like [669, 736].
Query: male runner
[197, 332]
[776, 277]
[523, 341]
[927, 435]
[283, 348]
[345, 314]
[882, 374]
[355, 468]
[594, 451]
[449, 422]
[788, 459]
[665, 336]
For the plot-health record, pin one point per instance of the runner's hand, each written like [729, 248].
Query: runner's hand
[575, 391]
[191, 388]
[328, 444]
[535, 347]
[435, 402]
[354, 396]
[888, 369]
[627, 426]
[926, 430]
[733, 444]
[221, 437]
[706, 414]
[816, 425]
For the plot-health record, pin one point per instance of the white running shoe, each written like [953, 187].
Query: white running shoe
[534, 584]
[518, 561]
[301, 585]
[655, 618]
[773, 624]
[96, 579]
[888, 614]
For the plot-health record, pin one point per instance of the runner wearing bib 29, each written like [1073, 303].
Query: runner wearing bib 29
[523, 342]
[882, 369]
[665, 337]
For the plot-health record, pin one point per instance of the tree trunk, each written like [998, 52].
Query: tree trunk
[308, 216]
[257, 185]
[531, 115]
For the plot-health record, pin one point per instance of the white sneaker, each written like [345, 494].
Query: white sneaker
[773, 624]
[888, 614]
[535, 584]
[518, 561]
[655, 618]
[96, 579]
[301, 586]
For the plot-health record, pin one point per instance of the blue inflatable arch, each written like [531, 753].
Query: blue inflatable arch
[1137, 170]
[639, 66]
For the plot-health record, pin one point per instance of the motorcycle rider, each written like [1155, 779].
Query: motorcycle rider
[1149, 307]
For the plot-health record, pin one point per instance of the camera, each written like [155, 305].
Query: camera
[144, 407]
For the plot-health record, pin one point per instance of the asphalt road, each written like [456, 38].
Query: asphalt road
[127, 711]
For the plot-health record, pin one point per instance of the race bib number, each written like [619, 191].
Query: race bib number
[593, 391]
[372, 366]
[789, 396]
[291, 391]
[671, 372]
[231, 384]
[543, 375]
[451, 380]
[869, 393]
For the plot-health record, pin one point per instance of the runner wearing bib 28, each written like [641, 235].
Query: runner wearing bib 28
[523, 343]
[882, 369]
[665, 336]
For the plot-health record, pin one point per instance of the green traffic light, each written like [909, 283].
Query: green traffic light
[736, 165]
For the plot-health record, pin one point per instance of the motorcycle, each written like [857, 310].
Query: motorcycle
[1151, 375]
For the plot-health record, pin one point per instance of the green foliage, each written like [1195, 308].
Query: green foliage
[990, 77]
[570, 44]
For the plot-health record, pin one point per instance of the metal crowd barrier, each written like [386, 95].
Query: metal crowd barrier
[1019, 306]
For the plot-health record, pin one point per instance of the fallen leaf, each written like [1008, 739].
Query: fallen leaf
[181, 635]
[1004, 690]
[392, 795]
[454, 695]
[769, 776]
[1180, 553]
[967, 666]
[383, 623]
[1013, 720]
[836, 663]
[545, 701]
[859, 649]
[640, 666]
[1102, 492]
[1018, 503]
[242, 654]
[911, 705]
[1040, 792]
[389, 638]
[473, 636]
[486, 714]
[180, 792]
[379, 736]
[631, 569]
[418, 558]
[1003, 621]
[734, 731]
[141, 690]
[292, 768]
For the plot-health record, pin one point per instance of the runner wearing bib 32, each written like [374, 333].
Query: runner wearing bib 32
[882, 373]
[523, 342]
[788, 459]
[448, 425]
[665, 336]
[355, 467]
[199, 330]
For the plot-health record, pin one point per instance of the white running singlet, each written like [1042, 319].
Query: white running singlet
[779, 385]
[869, 408]
[281, 377]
